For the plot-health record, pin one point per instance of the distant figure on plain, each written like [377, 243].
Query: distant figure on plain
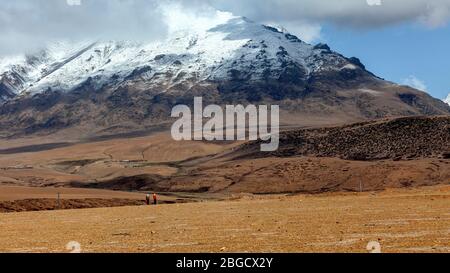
[155, 199]
[147, 199]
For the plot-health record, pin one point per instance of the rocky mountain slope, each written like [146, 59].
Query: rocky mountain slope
[398, 139]
[122, 86]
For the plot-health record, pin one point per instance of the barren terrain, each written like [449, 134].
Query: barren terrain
[407, 220]
[16, 198]
[19, 199]
[11, 193]
[368, 156]
[96, 160]
[327, 190]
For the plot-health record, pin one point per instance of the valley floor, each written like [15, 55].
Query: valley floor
[401, 220]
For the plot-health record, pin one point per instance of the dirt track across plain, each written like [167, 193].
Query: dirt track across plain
[13, 193]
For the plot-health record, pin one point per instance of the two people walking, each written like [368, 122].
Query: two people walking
[155, 199]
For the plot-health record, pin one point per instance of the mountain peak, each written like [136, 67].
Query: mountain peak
[229, 45]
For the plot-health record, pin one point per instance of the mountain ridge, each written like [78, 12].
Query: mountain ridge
[242, 41]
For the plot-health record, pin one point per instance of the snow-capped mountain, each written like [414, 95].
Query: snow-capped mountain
[111, 83]
[188, 55]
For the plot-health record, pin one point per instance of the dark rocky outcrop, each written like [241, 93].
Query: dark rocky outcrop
[397, 139]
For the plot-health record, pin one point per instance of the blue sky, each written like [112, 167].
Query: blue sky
[399, 52]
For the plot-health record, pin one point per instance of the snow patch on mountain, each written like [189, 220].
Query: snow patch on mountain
[447, 100]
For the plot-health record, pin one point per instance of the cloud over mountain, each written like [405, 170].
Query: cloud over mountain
[27, 24]
[349, 13]
[416, 83]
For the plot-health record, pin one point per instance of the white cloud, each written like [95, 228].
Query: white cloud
[437, 13]
[25, 24]
[308, 32]
[350, 13]
[176, 16]
[416, 83]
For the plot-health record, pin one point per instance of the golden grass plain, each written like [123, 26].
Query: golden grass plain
[401, 220]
